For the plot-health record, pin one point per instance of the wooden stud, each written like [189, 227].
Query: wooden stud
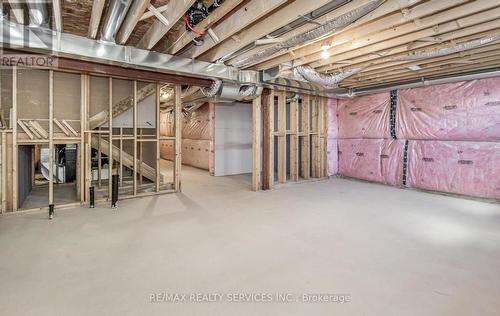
[157, 126]
[178, 129]
[51, 137]
[120, 171]
[256, 143]
[305, 139]
[294, 140]
[110, 139]
[282, 137]
[3, 175]
[271, 153]
[211, 153]
[14, 140]
[135, 138]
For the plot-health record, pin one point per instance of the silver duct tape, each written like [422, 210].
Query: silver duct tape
[425, 54]
[326, 81]
[318, 32]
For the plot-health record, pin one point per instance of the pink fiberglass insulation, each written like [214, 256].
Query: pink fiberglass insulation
[332, 156]
[470, 168]
[332, 121]
[456, 111]
[379, 160]
[364, 117]
[196, 141]
[195, 125]
[194, 152]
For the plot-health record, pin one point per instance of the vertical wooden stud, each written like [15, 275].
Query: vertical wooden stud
[157, 126]
[110, 137]
[282, 137]
[256, 143]
[51, 137]
[135, 138]
[13, 124]
[305, 141]
[178, 129]
[294, 140]
[211, 153]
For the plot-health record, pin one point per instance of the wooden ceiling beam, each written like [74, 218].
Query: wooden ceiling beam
[133, 16]
[272, 22]
[175, 11]
[95, 18]
[439, 71]
[442, 22]
[464, 34]
[487, 51]
[392, 19]
[239, 20]
[321, 20]
[386, 46]
[181, 37]
[56, 8]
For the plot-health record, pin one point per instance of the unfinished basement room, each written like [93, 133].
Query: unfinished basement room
[250, 157]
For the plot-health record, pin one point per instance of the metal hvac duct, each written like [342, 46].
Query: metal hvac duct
[117, 10]
[134, 14]
[43, 40]
[39, 16]
[314, 34]
[425, 54]
[326, 81]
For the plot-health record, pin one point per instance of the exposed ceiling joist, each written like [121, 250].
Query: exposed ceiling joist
[95, 18]
[270, 23]
[239, 20]
[393, 15]
[181, 37]
[135, 12]
[176, 9]
[56, 9]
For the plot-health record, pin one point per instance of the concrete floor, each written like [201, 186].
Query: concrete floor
[395, 252]
[64, 193]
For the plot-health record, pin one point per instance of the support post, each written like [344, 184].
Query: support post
[305, 139]
[256, 143]
[294, 140]
[178, 129]
[13, 123]
[282, 136]
[134, 172]
[157, 126]
[51, 144]
[110, 136]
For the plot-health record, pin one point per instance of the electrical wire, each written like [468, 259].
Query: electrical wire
[200, 33]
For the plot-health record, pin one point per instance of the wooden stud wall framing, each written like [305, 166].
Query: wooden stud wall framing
[256, 143]
[302, 143]
[61, 132]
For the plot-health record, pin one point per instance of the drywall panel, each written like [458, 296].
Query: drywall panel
[233, 138]
[455, 111]
[379, 160]
[471, 168]
[364, 117]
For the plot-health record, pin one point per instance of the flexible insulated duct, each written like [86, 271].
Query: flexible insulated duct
[117, 10]
[214, 88]
[425, 54]
[314, 34]
[326, 81]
